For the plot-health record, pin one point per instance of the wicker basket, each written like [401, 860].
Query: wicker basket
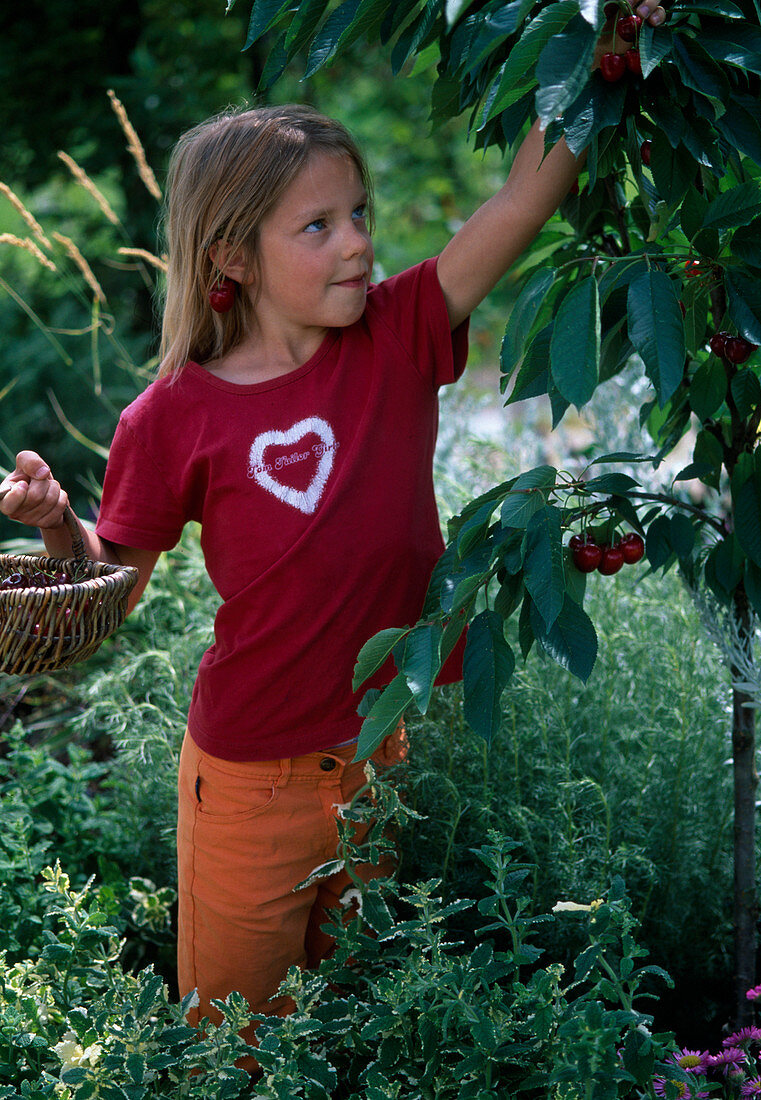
[43, 629]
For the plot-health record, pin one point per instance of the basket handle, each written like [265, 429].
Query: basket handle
[77, 543]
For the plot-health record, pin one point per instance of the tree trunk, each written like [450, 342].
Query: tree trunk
[745, 782]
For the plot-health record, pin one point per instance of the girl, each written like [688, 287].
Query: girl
[294, 417]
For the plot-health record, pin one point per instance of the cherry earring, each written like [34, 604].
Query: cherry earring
[222, 295]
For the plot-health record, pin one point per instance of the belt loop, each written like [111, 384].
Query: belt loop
[285, 772]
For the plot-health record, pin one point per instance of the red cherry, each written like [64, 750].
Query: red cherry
[644, 152]
[587, 558]
[612, 67]
[633, 62]
[575, 541]
[737, 349]
[611, 560]
[628, 27]
[632, 547]
[718, 342]
[693, 268]
[222, 297]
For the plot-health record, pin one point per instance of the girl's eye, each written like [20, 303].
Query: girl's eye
[316, 226]
[360, 212]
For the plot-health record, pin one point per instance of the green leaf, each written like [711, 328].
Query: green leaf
[708, 452]
[654, 47]
[264, 15]
[740, 47]
[543, 572]
[306, 18]
[699, 71]
[488, 664]
[682, 535]
[344, 25]
[575, 343]
[564, 68]
[596, 107]
[527, 496]
[708, 388]
[474, 529]
[692, 212]
[748, 518]
[655, 330]
[741, 128]
[746, 391]
[533, 377]
[744, 304]
[571, 641]
[621, 456]
[658, 542]
[524, 54]
[419, 659]
[746, 244]
[611, 483]
[735, 207]
[384, 716]
[673, 168]
[509, 594]
[714, 7]
[496, 27]
[726, 564]
[522, 317]
[375, 652]
[408, 42]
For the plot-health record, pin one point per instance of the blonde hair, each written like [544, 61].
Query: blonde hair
[225, 175]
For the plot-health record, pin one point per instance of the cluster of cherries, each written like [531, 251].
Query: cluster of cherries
[38, 579]
[66, 617]
[589, 556]
[613, 66]
[735, 349]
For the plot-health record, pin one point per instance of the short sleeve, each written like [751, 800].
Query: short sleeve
[412, 306]
[138, 508]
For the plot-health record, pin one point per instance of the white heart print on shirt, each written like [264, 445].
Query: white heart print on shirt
[305, 500]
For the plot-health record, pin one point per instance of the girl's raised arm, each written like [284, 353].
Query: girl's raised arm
[500, 231]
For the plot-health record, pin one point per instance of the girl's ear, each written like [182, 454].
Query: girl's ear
[231, 261]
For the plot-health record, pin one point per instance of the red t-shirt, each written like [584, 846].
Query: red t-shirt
[319, 527]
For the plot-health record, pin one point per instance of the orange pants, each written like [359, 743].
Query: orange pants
[248, 832]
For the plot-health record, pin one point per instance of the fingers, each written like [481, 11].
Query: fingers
[651, 11]
[31, 495]
[30, 465]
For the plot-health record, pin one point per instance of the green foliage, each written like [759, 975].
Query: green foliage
[624, 775]
[74, 1024]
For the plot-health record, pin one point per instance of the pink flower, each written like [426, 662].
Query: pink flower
[751, 1088]
[693, 1061]
[683, 1090]
[754, 994]
[731, 1059]
[750, 1034]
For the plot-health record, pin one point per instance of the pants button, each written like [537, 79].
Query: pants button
[327, 764]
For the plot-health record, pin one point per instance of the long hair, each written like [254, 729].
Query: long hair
[225, 176]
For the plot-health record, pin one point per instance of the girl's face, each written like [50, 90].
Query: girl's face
[315, 252]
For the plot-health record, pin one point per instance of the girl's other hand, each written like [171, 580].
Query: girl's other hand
[31, 495]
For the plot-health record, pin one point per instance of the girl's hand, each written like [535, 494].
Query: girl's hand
[31, 495]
